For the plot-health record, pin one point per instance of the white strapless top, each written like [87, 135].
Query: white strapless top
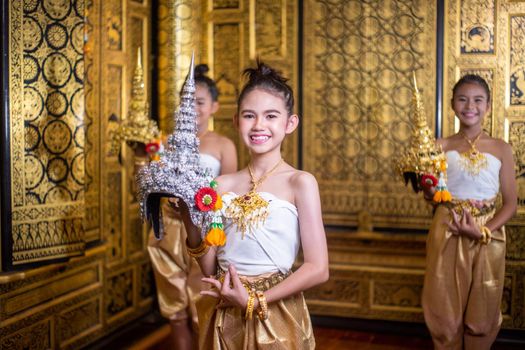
[271, 247]
[211, 164]
[463, 185]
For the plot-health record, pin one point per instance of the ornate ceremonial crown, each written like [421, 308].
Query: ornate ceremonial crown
[423, 156]
[137, 127]
[177, 173]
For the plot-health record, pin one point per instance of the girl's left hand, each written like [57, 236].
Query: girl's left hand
[465, 225]
[231, 292]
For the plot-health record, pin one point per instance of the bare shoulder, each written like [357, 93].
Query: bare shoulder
[302, 180]
[446, 142]
[219, 139]
[502, 148]
[228, 182]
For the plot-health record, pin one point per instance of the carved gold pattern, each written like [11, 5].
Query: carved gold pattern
[225, 4]
[114, 22]
[46, 130]
[268, 39]
[37, 336]
[178, 36]
[517, 60]
[478, 21]
[517, 141]
[119, 293]
[92, 219]
[353, 62]
[72, 322]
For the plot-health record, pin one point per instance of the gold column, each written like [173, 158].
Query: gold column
[178, 36]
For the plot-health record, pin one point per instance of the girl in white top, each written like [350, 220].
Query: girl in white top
[466, 243]
[177, 276]
[270, 210]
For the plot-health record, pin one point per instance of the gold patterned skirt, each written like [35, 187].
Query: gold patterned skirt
[177, 275]
[288, 325]
[463, 284]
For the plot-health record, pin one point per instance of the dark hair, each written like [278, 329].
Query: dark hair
[472, 79]
[266, 78]
[199, 72]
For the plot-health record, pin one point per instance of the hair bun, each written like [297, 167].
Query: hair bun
[264, 72]
[200, 70]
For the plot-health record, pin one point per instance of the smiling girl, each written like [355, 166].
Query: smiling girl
[466, 244]
[270, 210]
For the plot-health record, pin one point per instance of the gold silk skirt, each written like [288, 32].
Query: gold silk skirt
[288, 325]
[463, 285]
[177, 275]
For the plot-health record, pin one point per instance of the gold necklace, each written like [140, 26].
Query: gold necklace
[472, 160]
[250, 210]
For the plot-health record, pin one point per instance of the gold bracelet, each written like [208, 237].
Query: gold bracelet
[487, 235]
[249, 306]
[262, 311]
[201, 250]
[140, 162]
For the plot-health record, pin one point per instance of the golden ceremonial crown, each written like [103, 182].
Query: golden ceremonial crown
[423, 155]
[137, 127]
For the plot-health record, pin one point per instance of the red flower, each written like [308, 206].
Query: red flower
[152, 147]
[428, 180]
[205, 198]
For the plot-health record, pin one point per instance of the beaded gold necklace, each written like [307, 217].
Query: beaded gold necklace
[472, 160]
[250, 210]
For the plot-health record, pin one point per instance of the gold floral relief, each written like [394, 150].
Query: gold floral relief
[478, 19]
[517, 60]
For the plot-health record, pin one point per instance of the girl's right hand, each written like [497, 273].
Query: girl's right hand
[465, 225]
[428, 192]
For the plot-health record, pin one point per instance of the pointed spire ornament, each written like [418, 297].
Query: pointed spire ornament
[137, 127]
[177, 173]
[423, 159]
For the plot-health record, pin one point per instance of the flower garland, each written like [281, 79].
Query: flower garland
[442, 194]
[207, 199]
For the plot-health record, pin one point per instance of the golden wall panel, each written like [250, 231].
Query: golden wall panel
[92, 219]
[225, 4]
[119, 294]
[37, 336]
[268, 36]
[53, 289]
[517, 60]
[355, 55]
[227, 59]
[46, 77]
[478, 22]
[78, 321]
[178, 36]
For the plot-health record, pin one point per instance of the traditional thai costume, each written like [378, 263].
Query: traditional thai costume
[177, 275]
[263, 256]
[464, 278]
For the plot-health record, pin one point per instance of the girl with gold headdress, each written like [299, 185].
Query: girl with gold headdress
[466, 244]
[269, 210]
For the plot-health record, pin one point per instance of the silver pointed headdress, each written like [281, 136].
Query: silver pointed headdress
[177, 173]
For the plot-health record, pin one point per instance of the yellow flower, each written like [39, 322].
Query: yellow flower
[216, 237]
[218, 203]
[443, 166]
[446, 196]
[437, 197]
